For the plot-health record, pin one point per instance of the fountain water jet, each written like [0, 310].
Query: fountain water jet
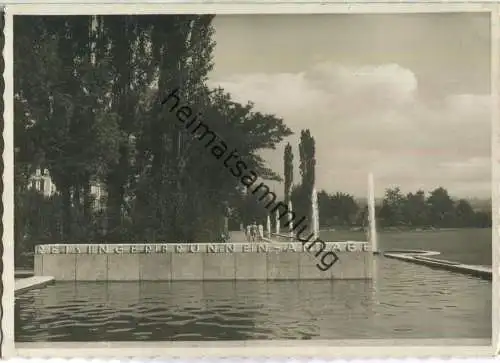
[277, 222]
[315, 214]
[268, 226]
[290, 221]
[371, 214]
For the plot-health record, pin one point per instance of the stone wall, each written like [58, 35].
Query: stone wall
[201, 261]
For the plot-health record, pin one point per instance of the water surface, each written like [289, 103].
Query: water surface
[403, 301]
[465, 245]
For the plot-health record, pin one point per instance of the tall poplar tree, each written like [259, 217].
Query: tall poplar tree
[288, 172]
[307, 151]
[88, 92]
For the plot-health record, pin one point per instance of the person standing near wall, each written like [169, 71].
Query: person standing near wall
[254, 231]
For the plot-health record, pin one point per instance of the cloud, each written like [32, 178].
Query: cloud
[372, 118]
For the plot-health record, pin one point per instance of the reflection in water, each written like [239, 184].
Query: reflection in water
[403, 301]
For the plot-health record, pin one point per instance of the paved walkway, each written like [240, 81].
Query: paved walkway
[29, 283]
[238, 237]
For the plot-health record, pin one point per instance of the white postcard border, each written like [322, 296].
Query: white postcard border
[247, 349]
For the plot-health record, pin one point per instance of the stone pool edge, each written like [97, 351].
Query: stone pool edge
[422, 257]
[30, 283]
[203, 261]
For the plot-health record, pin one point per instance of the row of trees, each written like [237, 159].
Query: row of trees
[415, 210]
[434, 210]
[88, 107]
[250, 208]
[437, 209]
[418, 210]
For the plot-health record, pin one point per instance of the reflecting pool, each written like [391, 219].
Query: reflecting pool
[403, 301]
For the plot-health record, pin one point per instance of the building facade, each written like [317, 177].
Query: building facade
[42, 182]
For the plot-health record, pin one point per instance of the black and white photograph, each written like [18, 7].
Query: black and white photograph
[217, 178]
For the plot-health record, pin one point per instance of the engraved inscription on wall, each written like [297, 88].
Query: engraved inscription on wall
[195, 248]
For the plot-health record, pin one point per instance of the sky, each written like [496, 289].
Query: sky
[404, 96]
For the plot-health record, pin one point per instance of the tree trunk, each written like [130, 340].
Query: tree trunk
[116, 193]
[115, 200]
[67, 213]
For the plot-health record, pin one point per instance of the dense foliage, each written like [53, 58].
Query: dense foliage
[413, 210]
[438, 209]
[88, 93]
[288, 172]
[301, 194]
